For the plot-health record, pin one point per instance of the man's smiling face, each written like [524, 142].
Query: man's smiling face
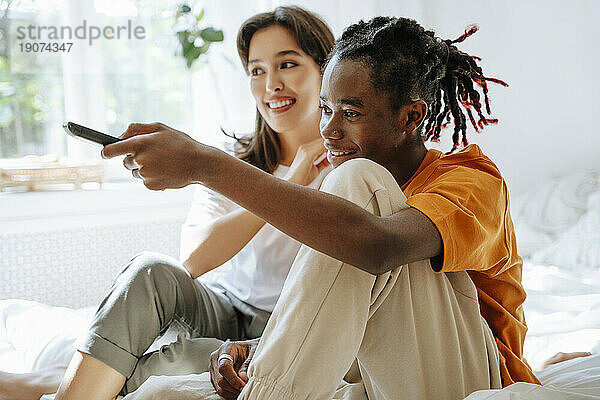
[356, 119]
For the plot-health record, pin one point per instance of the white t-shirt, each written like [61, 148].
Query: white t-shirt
[256, 273]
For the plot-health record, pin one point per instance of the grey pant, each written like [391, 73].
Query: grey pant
[152, 293]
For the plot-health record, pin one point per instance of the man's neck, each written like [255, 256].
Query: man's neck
[409, 161]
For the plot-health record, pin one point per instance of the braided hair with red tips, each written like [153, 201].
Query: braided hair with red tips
[410, 63]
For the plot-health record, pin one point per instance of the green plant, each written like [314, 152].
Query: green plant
[7, 91]
[22, 94]
[194, 39]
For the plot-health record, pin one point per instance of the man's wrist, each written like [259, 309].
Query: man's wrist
[205, 163]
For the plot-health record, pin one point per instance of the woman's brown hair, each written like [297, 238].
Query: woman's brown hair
[262, 149]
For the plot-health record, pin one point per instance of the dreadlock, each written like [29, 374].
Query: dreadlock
[410, 63]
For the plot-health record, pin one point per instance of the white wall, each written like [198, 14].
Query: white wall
[64, 248]
[548, 51]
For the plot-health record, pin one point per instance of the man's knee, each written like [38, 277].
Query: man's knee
[357, 180]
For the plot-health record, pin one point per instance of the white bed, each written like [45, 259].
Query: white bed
[558, 228]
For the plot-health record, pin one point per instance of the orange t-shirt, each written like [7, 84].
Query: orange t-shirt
[466, 198]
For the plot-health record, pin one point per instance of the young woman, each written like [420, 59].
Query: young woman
[282, 52]
[382, 280]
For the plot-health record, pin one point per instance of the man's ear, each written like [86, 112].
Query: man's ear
[413, 115]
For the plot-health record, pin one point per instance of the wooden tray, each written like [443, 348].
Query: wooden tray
[33, 172]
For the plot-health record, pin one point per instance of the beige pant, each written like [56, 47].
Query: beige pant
[412, 333]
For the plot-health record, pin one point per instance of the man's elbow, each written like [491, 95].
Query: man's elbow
[374, 262]
[382, 258]
[380, 268]
[379, 251]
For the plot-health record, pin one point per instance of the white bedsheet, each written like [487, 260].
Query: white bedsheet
[562, 311]
[577, 379]
[571, 380]
[34, 336]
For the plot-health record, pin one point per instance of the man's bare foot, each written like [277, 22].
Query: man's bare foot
[30, 386]
[560, 357]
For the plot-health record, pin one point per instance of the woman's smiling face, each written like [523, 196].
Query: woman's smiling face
[357, 120]
[285, 81]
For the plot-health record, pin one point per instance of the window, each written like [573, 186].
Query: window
[102, 83]
[31, 89]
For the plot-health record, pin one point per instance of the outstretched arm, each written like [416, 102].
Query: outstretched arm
[205, 246]
[166, 158]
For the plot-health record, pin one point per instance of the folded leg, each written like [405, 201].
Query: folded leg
[415, 333]
[150, 293]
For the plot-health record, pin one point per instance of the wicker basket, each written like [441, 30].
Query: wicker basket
[33, 172]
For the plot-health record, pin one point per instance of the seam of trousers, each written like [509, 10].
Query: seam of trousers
[340, 265]
[94, 340]
[466, 295]
[270, 386]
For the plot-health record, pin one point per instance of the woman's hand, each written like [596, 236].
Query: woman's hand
[227, 377]
[560, 357]
[161, 156]
[303, 169]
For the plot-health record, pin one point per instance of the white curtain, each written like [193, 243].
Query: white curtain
[83, 79]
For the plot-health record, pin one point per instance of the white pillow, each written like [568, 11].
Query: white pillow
[578, 248]
[529, 240]
[556, 205]
[41, 335]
